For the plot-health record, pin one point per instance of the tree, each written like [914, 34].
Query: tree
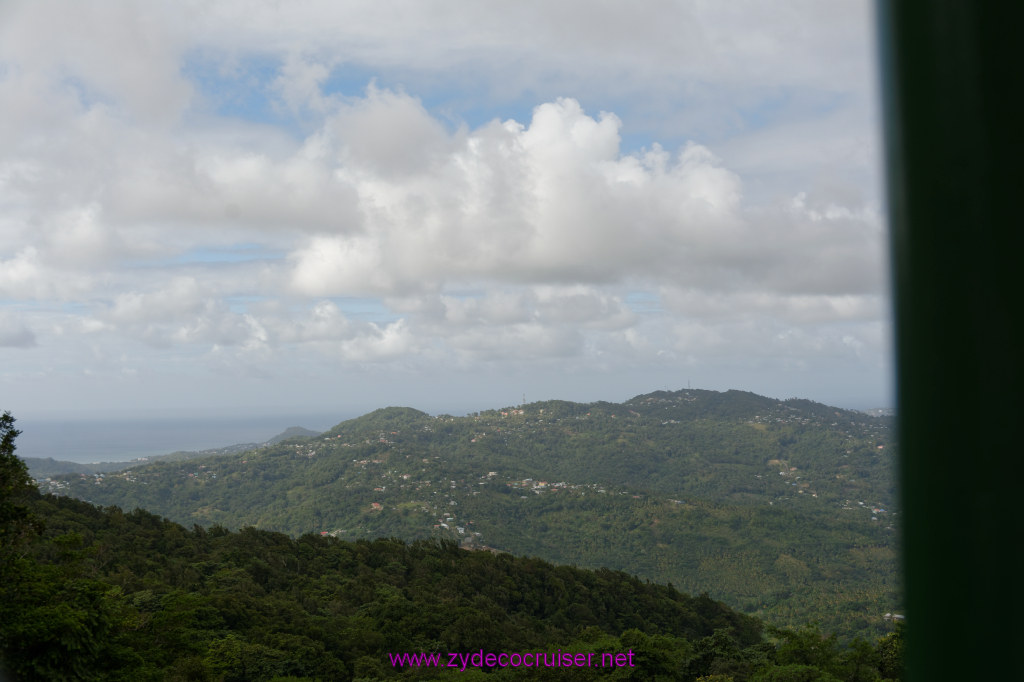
[55, 623]
[890, 652]
[16, 490]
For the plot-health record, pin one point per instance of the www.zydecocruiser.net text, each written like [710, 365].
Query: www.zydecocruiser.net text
[539, 659]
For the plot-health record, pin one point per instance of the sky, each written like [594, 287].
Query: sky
[249, 208]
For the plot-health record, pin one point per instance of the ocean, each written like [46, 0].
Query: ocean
[99, 440]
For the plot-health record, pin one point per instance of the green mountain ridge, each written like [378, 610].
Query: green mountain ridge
[780, 508]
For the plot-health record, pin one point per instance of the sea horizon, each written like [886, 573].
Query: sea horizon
[89, 441]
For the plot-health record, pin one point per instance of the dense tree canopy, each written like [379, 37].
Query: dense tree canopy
[105, 594]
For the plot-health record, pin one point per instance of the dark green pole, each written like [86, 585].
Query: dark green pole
[952, 85]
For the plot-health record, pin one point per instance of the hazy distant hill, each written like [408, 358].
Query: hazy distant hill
[292, 432]
[780, 508]
[41, 468]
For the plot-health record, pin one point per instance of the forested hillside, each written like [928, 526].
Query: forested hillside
[106, 595]
[783, 509]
